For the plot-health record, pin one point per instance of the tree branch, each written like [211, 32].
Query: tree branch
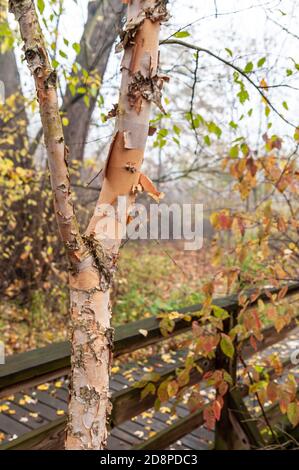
[234, 67]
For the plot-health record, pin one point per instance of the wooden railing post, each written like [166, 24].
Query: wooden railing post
[235, 429]
[224, 432]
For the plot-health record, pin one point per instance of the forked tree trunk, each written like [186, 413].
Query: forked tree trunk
[93, 255]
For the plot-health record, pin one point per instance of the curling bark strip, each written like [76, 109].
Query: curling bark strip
[140, 85]
[93, 255]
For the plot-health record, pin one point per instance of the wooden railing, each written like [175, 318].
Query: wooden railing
[34, 367]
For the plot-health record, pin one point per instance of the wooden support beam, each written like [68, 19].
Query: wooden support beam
[51, 436]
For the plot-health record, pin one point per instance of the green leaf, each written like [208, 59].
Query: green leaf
[86, 101]
[267, 111]
[227, 377]
[220, 312]
[62, 54]
[243, 95]
[72, 89]
[233, 125]
[289, 72]
[296, 134]
[181, 34]
[261, 62]
[207, 140]
[163, 133]
[76, 47]
[55, 63]
[214, 129]
[285, 105]
[176, 129]
[245, 149]
[148, 389]
[226, 345]
[293, 413]
[229, 51]
[234, 151]
[41, 6]
[172, 388]
[196, 122]
[146, 379]
[248, 67]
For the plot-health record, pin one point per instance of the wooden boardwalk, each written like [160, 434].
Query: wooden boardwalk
[35, 388]
[23, 412]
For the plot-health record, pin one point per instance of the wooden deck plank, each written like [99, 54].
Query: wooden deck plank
[125, 436]
[55, 403]
[11, 426]
[178, 446]
[21, 412]
[132, 426]
[61, 394]
[117, 444]
[203, 433]
[120, 379]
[47, 412]
[194, 443]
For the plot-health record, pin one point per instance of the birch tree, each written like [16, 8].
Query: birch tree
[93, 254]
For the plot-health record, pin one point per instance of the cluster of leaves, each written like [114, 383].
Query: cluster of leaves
[256, 246]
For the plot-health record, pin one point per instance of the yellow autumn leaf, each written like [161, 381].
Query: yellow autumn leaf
[43, 387]
[4, 408]
[114, 369]
[165, 409]
[27, 399]
[147, 414]
[60, 412]
[58, 384]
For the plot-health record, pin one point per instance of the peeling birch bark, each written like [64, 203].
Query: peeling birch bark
[93, 255]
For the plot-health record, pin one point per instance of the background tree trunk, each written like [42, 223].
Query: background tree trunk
[100, 32]
[10, 76]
